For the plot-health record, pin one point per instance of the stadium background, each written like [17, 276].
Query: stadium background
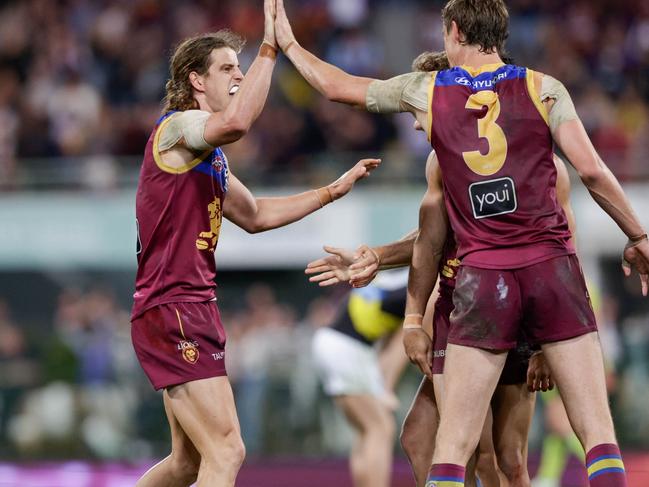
[80, 85]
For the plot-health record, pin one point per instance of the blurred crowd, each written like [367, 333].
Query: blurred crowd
[81, 81]
[71, 387]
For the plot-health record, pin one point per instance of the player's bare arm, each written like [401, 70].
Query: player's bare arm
[223, 103]
[260, 214]
[427, 251]
[360, 267]
[368, 261]
[332, 82]
[405, 93]
[250, 95]
[570, 134]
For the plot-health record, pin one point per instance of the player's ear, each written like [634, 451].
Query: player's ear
[455, 33]
[197, 82]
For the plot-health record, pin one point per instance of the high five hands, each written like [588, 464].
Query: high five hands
[277, 29]
[358, 268]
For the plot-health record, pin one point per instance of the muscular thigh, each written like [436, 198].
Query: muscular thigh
[206, 412]
[181, 444]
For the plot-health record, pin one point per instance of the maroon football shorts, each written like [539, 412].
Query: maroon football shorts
[441, 324]
[180, 342]
[545, 302]
[515, 369]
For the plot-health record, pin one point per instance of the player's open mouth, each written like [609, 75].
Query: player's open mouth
[234, 89]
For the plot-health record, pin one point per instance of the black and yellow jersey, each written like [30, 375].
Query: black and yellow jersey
[370, 313]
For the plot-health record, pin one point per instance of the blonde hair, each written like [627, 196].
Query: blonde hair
[431, 61]
[191, 55]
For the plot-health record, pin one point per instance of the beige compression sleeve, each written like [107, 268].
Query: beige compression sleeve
[563, 109]
[398, 94]
[188, 126]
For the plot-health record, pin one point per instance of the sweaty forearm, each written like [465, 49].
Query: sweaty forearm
[607, 192]
[332, 82]
[397, 254]
[279, 211]
[423, 275]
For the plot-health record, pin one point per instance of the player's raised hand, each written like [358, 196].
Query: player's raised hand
[344, 184]
[539, 377]
[419, 349]
[365, 267]
[332, 269]
[270, 12]
[636, 255]
[283, 29]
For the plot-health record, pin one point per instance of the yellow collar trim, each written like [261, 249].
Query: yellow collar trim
[485, 68]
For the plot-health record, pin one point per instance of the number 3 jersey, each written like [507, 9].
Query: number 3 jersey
[491, 135]
[179, 212]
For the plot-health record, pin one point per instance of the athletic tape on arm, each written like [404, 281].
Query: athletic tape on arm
[563, 108]
[188, 125]
[399, 93]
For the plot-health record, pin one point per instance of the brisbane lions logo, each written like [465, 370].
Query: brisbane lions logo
[208, 240]
[189, 350]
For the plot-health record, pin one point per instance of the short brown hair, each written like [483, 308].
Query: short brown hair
[484, 23]
[193, 54]
[431, 61]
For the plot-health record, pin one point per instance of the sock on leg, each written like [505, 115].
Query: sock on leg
[605, 467]
[446, 475]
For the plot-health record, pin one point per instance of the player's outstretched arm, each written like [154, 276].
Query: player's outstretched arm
[235, 121]
[426, 254]
[360, 267]
[570, 135]
[332, 269]
[260, 214]
[332, 82]
[368, 261]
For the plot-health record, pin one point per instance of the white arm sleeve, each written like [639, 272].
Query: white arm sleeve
[188, 126]
[399, 94]
[563, 108]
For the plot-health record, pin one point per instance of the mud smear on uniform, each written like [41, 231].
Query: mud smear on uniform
[572, 279]
[474, 325]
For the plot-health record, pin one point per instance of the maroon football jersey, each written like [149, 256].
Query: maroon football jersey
[179, 212]
[491, 135]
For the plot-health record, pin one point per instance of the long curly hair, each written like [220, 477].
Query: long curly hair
[191, 55]
[484, 23]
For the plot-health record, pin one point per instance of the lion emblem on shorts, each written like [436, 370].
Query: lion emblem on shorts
[189, 351]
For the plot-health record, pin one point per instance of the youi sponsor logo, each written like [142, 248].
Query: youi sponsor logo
[493, 197]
